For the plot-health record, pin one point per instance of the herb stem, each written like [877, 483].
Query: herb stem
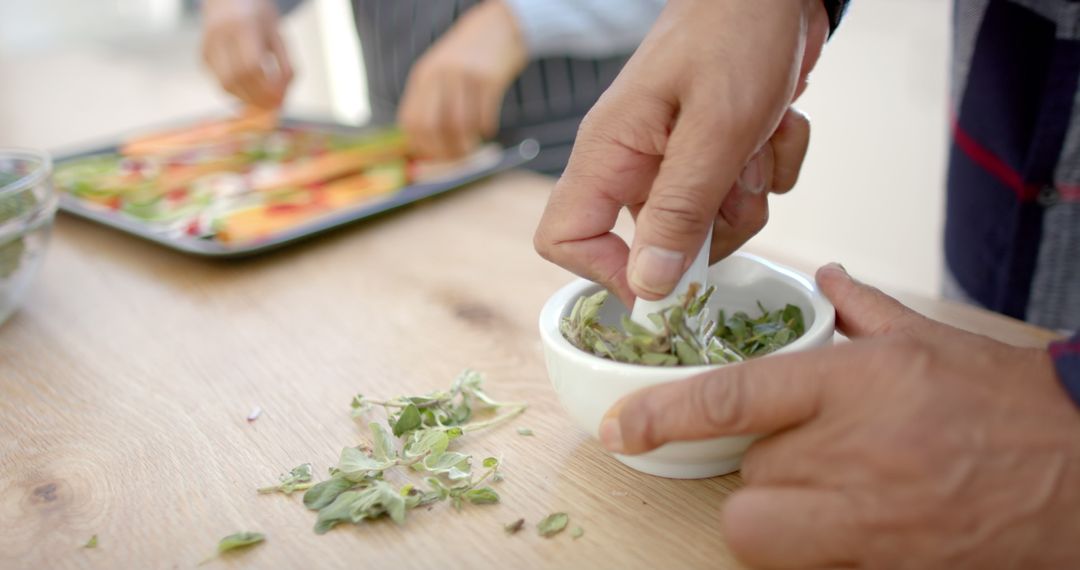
[276, 488]
[518, 409]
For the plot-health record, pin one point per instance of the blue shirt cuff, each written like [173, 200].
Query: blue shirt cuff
[1066, 355]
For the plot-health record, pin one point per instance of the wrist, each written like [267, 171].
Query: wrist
[494, 19]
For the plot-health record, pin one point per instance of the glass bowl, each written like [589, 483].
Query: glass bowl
[27, 209]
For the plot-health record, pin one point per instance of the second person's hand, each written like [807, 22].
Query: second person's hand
[243, 48]
[454, 92]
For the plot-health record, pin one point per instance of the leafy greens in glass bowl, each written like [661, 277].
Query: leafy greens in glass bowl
[27, 209]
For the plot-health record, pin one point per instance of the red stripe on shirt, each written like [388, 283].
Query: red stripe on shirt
[993, 164]
[1060, 349]
[1069, 193]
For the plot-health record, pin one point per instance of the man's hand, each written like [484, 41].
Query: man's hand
[454, 93]
[243, 48]
[917, 445]
[698, 100]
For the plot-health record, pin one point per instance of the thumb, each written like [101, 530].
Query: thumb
[756, 397]
[862, 310]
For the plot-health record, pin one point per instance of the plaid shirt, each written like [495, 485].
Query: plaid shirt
[1012, 229]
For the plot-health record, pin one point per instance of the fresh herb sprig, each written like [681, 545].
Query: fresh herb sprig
[442, 409]
[298, 479]
[683, 335]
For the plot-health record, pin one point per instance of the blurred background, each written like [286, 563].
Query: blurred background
[871, 193]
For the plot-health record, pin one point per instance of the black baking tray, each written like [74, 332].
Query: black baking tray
[511, 157]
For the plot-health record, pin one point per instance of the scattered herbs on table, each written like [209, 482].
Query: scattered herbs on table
[577, 532]
[514, 527]
[236, 541]
[92, 543]
[525, 431]
[684, 335]
[552, 524]
[416, 439]
[298, 479]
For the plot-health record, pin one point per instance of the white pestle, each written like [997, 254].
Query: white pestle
[697, 273]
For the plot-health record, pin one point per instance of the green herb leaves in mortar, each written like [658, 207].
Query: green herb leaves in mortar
[684, 334]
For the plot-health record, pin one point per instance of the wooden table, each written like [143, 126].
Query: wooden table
[126, 380]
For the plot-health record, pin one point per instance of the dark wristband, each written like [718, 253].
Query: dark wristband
[835, 9]
[1066, 355]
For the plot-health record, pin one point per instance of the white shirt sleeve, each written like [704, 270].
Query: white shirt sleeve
[584, 28]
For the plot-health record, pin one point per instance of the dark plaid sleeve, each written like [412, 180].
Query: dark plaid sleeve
[1066, 355]
[836, 9]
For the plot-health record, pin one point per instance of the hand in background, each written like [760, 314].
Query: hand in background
[699, 99]
[917, 445]
[454, 92]
[243, 48]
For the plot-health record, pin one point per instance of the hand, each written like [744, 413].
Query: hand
[917, 445]
[454, 92]
[701, 96]
[243, 48]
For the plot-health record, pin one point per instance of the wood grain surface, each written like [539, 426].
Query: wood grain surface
[126, 380]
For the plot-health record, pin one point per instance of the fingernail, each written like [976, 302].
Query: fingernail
[752, 178]
[838, 266]
[611, 435]
[657, 270]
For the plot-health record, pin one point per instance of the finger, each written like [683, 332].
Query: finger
[408, 112]
[693, 180]
[253, 76]
[789, 144]
[862, 310]
[490, 109]
[615, 158]
[239, 83]
[759, 396]
[786, 458]
[284, 64]
[228, 74]
[460, 119]
[782, 527]
[420, 110]
[742, 215]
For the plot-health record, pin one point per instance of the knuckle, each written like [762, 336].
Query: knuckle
[676, 214]
[542, 244]
[722, 403]
[644, 431]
